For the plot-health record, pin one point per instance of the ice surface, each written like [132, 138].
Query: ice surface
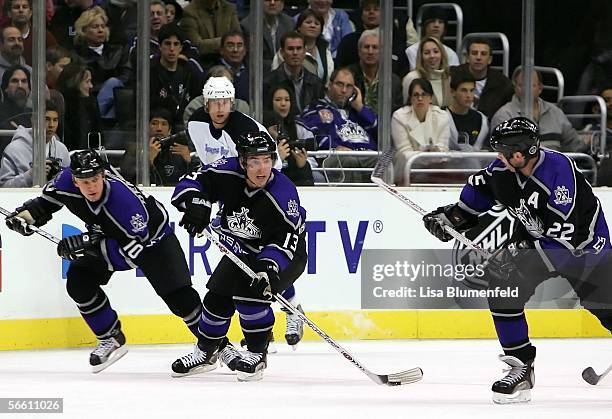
[315, 382]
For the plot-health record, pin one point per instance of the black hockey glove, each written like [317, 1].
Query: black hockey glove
[30, 213]
[267, 278]
[197, 213]
[77, 246]
[450, 215]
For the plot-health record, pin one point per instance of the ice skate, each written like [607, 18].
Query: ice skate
[196, 362]
[251, 366]
[107, 352]
[516, 386]
[228, 354]
[295, 327]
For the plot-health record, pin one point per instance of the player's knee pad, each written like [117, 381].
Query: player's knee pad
[183, 301]
[79, 289]
[218, 305]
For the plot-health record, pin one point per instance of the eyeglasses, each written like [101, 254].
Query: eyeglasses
[341, 85]
[234, 47]
[420, 95]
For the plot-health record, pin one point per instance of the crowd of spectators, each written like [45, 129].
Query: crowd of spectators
[321, 79]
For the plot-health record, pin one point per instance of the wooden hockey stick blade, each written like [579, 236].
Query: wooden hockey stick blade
[590, 376]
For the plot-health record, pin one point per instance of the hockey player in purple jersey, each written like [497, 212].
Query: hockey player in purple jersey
[262, 221]
[562, 231]
[125, 229]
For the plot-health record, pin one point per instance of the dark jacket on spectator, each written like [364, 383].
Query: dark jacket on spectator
[62, 25]
[496, 93]
[114, 62]
[312, 86]
[81, 118]
[11, 115]
[285, 24]
[161, 94]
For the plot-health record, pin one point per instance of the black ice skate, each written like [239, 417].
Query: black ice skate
[295, 327]
[228, 354]
[196, 362]
[516, 386]
[251, 366]
[107, 352]
[271, 343]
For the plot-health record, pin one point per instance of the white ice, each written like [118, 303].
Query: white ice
[315, 382]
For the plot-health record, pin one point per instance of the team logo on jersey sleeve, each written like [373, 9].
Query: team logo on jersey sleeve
[562, 196]
[292, 208]
[138, 223]
[242, 225]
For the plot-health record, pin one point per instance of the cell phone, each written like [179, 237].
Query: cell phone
[353, 96]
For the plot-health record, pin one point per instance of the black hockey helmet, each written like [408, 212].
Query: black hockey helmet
[517, 134]
[255, 144]
[86, 163]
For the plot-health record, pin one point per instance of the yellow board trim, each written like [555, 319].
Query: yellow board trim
[341, 325]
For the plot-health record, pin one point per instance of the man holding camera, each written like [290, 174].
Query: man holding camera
[16, 169]
[169, 155]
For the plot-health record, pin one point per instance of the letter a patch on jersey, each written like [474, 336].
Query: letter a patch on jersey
[562, 196]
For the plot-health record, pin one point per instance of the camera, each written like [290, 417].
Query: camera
[55, 167]
[309, 144]
[180, 137]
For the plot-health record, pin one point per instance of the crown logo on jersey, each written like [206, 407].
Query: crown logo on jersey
[562, 196]
[353, 133]
[242, 225]
[292, 208]
[138, 223]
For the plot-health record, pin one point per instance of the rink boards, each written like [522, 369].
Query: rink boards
[35, 311]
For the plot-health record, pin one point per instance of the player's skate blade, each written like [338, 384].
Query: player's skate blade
[516, 386]
[251, 366]
[521, 396]
[114, 357]
[107, 352]
[295, 328]
[196, 362]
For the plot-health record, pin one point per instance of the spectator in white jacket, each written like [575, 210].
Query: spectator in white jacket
[418, 127]
[16, 169]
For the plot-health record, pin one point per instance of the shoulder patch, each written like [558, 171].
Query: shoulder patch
[138, 223]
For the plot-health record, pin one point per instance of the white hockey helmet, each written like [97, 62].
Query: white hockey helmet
[218, 88]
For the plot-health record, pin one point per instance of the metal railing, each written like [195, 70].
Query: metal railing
[586, 164]
[329, 172]
[558, 79]
[598, 148]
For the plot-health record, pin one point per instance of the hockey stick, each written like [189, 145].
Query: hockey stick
[35, 229]
[381, 167]
[405, 377]
[591, 377]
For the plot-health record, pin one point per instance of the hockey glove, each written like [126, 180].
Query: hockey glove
[77, 246]
[30, 213]
[267, 278]
[451, 216]
[197, 213]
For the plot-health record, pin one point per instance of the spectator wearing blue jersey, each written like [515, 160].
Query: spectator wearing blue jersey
[337, 22]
